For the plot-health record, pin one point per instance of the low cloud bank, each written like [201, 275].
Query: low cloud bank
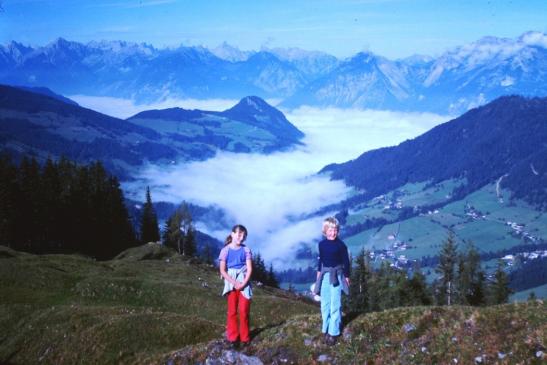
[268, 194]
[272, 194]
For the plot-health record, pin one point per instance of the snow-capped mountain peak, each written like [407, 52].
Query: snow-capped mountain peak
[486, 52]
[122, 47]
[230, 53]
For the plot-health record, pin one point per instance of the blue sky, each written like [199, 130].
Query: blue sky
[392, 28]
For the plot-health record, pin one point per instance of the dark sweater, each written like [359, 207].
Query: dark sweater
[333, 253]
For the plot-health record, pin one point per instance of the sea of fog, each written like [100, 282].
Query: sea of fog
[271, 194]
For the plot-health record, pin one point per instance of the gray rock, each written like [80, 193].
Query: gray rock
[231, 357]
[409, 327]
[323, 358]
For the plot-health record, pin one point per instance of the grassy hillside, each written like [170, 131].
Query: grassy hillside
[148, 306]
[134, 309]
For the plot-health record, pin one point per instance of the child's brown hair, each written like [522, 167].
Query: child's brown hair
[237, 227]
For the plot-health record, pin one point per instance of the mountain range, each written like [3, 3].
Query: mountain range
[45, 125]
[454, 82]
[482, 175]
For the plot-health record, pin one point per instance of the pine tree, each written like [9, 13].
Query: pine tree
[51, 216]
[149, 221]
[470, 279]
[416, 290]
[359, 284]
[499, 289]
[271, 279]
[207, 255]
[172, 235]
[446, 268]
[180, 233]
[259, 269]
[8, 195]
[29, 226]
[189, 246]
[72, 209]
[386, 289]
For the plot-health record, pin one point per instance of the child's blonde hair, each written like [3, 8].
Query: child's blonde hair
[330, 222]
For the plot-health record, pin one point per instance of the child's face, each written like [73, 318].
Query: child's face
[331, 233]
[237, 237]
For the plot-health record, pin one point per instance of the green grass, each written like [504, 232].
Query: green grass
[438, 335]
[71, 309]
[149, 306]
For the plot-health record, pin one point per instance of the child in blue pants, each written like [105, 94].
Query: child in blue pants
[333, 272]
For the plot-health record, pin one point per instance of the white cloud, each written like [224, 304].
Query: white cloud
[534, 39]
[343, 134]
[270, 194]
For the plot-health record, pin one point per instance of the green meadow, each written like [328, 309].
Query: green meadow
[424, 234]
[151, 306]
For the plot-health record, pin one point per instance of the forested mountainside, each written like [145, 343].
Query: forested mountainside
[504, 139]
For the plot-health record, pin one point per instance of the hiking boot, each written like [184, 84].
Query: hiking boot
[232, 345]
[331, 340]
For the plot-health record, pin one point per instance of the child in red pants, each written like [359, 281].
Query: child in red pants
[236, 268]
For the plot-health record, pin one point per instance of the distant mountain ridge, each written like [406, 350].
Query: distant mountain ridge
[44, 126]
[144, 73]
[503, 138]
[460, 79]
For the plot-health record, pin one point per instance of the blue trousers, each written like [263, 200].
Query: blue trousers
[331, 306]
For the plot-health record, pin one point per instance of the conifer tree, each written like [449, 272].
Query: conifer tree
[190, 248]
[259, 269]
[500, 290]
[29, 206]
[386, 288]
[470, 278]
[447, 264]
[208, 254]
[149, 221]
[188, 231]
[64, 208]
[8, 194]
[271, 278]
[172, 235]
[180, 233]
[416, 290]
[51, 192]
[358, 300]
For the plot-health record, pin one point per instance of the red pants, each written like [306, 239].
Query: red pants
[238, 303]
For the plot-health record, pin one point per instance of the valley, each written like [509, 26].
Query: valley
[135, 134]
